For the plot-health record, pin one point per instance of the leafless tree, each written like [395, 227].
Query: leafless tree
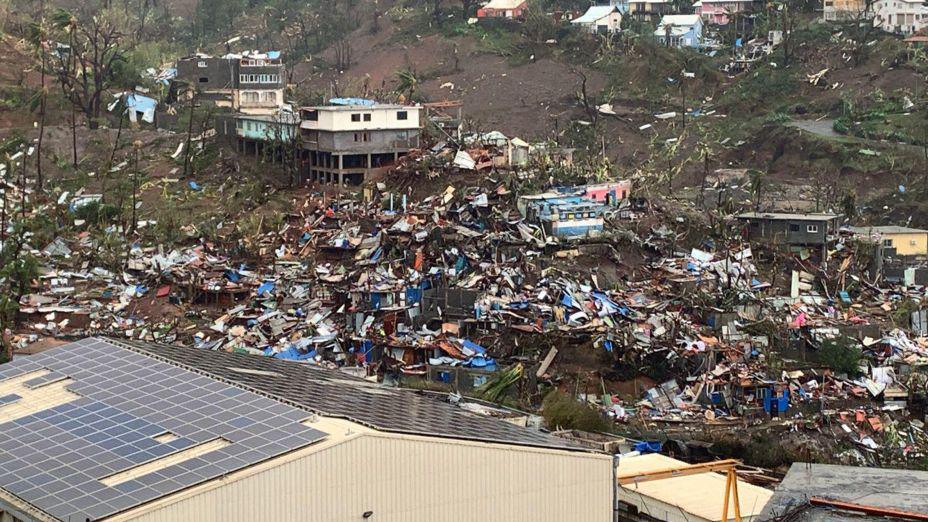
[86, 70]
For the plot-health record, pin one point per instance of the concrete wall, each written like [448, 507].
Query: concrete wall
[407, 478]
[340, 119]
[783, 231]
[909, 244]
[219, 73]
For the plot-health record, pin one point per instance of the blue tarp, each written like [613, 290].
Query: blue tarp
[470, 345]
[413, 296]
[292, 354]
[353, 101]
[266, 287]
[649, 446]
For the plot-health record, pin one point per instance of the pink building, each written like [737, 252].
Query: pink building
[611, 192]
[718, 11]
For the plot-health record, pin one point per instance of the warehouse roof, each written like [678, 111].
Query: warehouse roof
[91, 429]
[334, 394]
[699, 495]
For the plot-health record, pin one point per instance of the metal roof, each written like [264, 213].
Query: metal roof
[887, 229]
[786, 216]
[699, 495]
[91, 429]
[332, 393]
[594, 13]
[881, 487]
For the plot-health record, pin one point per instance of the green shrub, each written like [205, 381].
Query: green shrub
[842, 355]
[563, 412]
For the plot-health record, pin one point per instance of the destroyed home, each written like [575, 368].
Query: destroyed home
[250, 82]
[354, 140]
[506, 251]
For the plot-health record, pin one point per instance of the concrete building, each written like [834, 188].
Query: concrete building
[649, 10]
[250, 82]
[680, 31]
[719, 12]
[600, 19]
[792, 231]
[876, 488]
[347, 144]
[841, 10]
[257, 133]
[110, 430]
[900, 16]
[897, 241]
[693, 498]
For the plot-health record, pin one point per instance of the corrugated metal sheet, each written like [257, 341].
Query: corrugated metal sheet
[407, 478]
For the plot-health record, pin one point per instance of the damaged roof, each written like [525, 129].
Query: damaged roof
[332, 393]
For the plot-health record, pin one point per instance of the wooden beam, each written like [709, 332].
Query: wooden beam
[869, 510]
[680, 471]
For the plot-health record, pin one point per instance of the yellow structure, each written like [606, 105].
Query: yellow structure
[906, 241]
[838, 10]
[682, 497]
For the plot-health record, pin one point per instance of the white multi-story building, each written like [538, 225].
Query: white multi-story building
[345, 144]
[900, 16]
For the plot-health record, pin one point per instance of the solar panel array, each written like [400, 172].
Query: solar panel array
[335, 394]
[56, 458]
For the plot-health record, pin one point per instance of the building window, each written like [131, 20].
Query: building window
[812, 229]
[888, 243]
[204, 79]
[201, 65]
[793, 227]
[356, 117]
[912, 242]
[402, 115]
[312, 115]
[367, 117]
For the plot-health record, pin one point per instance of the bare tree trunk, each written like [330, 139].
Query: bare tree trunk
[193, 97]
[42, 106]
[74, 136]
[22, 190]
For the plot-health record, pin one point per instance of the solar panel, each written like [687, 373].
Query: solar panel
[55, 459]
